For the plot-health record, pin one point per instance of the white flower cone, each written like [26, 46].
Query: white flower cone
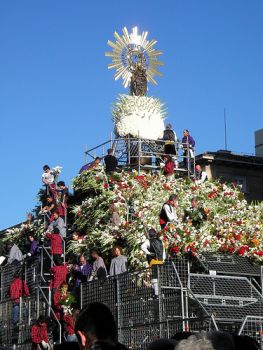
[141, 116]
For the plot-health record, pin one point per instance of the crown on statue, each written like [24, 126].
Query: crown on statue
[131, 53]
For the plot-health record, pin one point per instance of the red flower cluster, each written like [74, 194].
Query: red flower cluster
[243, 250]
[175, 249]
[212, 194]
[231, 193]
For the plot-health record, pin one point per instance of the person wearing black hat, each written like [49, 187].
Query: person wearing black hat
[155, 253]
[153, 248]
[169, 136]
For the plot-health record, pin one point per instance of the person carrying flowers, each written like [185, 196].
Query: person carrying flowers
[196, 214]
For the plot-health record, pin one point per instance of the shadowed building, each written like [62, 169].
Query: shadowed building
[259, 143]
[245, 170]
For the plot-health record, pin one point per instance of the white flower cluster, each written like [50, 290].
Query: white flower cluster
[139, 116]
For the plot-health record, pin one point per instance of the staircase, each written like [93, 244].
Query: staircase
[37, 277]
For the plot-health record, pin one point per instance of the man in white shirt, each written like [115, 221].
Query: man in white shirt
[200, 175]
[168, 212]
[48, 178]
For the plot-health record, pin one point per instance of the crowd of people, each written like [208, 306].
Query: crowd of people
[66, 274]
[95, 329]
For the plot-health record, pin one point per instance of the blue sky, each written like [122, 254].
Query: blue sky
[56, 92]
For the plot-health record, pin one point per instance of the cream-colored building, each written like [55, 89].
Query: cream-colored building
[247, 171]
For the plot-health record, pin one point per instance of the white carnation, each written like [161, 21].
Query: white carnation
[139, 116]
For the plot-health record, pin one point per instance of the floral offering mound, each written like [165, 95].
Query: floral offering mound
[231, 226]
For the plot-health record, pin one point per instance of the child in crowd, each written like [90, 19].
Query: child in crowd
[168, 166]
[78, 237]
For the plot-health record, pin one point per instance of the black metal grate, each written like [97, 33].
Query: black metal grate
[139, 337]
[231, 298]
[103, 291]
[229, 264]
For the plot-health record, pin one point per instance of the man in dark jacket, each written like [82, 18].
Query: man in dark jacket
[153, 248]
[155, 254]
[110, 161]
[169, 136]
[33, 256]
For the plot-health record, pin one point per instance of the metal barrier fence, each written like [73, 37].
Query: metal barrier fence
[7, 273]
[229, 264]
[165, 299]
[139, 337]
[28, 309]
[229, 299]
[253, 327]
[19, 334]
[145, 304]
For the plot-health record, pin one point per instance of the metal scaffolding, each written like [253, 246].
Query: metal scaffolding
[144, 154]
[148, 304]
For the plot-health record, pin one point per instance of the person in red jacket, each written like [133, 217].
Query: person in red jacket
[18, 289]
[55, 243]
[168, 168]
[57, 307]
[39, 335]
[58, 274]
[69, 325]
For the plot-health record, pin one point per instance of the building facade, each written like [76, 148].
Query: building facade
[246, 171]
[259, 143]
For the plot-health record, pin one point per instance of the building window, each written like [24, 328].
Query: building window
[241, 182]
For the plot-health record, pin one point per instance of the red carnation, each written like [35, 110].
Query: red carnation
[175, 249]
[243, 250]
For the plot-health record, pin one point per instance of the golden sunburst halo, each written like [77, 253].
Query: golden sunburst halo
[130, 49]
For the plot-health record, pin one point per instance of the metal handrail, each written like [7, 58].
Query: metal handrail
[257, 318]
[51, 309]
[182, 292]
[140, 142]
